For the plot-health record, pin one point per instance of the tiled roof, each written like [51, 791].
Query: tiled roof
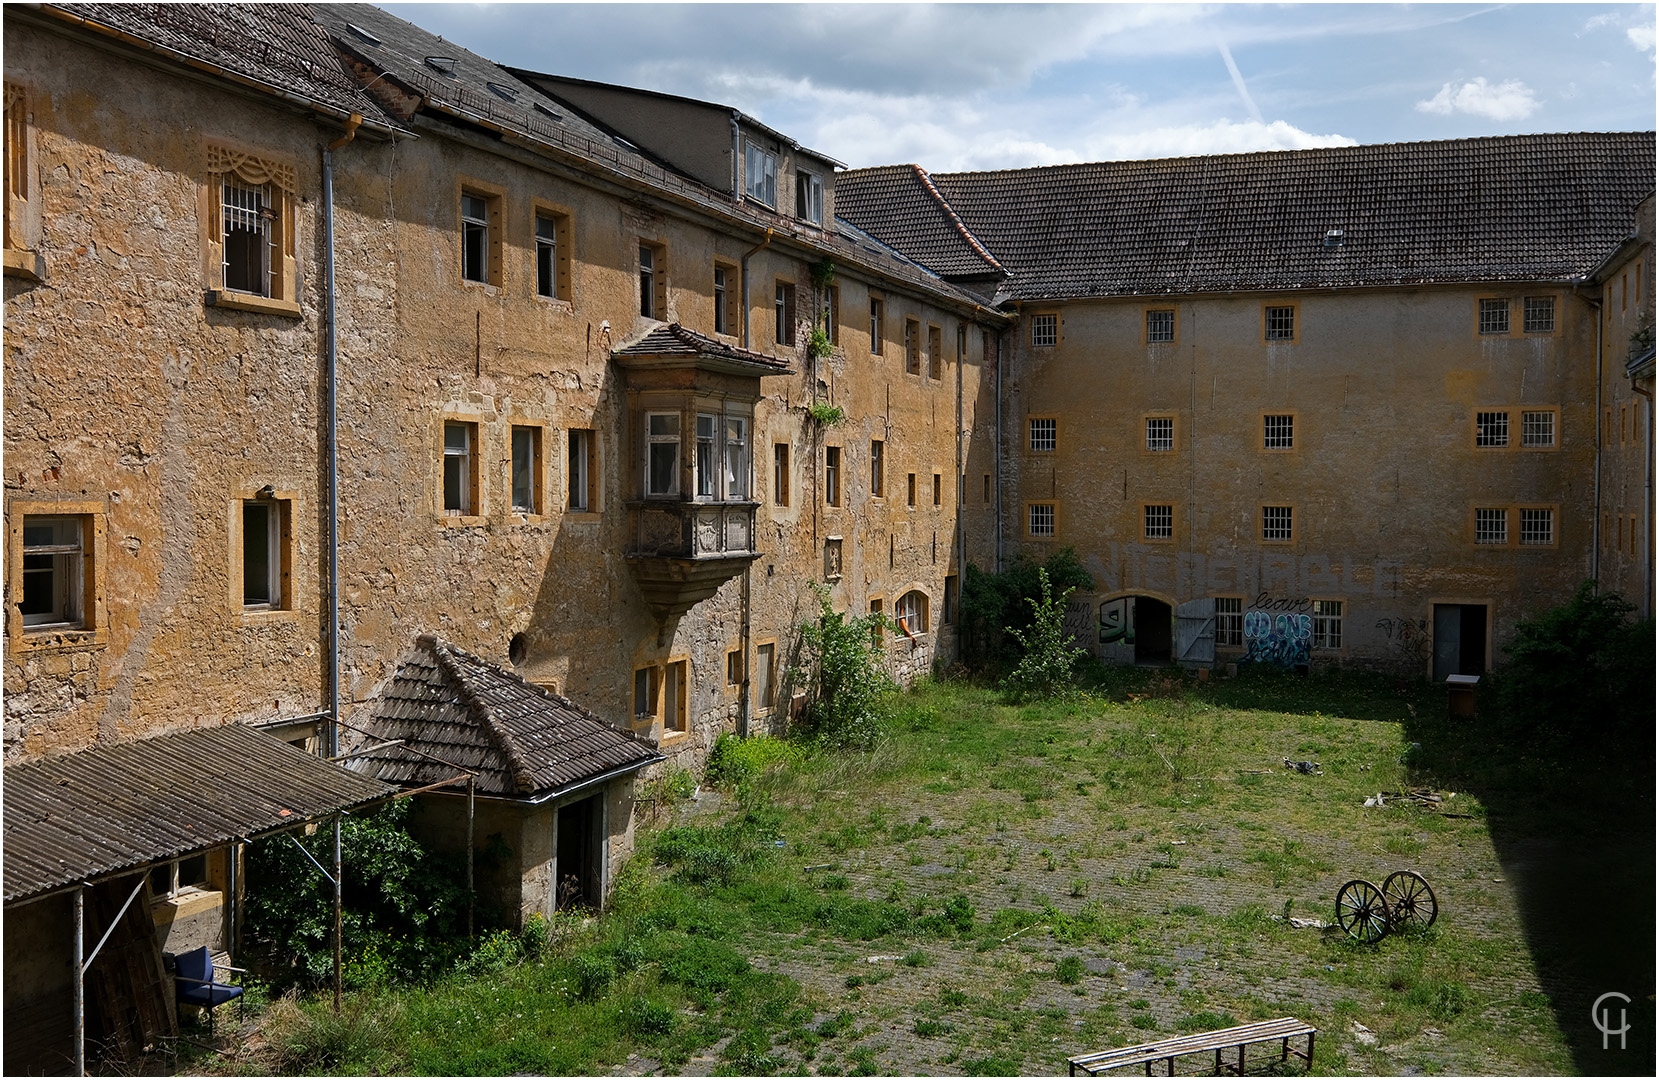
[523, 741]
[95, 812]
[1520, 208]
[672, 339]
[276, 45]
[911, 214]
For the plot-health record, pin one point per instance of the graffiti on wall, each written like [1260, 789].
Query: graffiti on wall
[1408, 638]
[1079, 622]
[1117, 623]
[1278, 638]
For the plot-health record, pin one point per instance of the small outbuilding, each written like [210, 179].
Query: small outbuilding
[552, 799]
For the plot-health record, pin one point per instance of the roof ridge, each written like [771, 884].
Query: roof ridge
[950, 212]
[481, 713]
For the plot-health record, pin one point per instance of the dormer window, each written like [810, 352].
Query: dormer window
[760, 175]
[809, 197]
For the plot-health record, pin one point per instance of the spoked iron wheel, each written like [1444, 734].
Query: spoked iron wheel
[1411, 904]
[1361, 911]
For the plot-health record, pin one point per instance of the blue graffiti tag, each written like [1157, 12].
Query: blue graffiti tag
[1278, 639]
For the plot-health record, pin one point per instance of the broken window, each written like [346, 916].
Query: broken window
[1492, 429]
[784, 309]
[1229, 621]
[1327, 624]
[911, 613]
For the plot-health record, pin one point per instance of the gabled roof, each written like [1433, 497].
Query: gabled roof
[89, 814]
[911, 215]
[276, 46]
[672, 341]
[523, 741]
[1507, 208]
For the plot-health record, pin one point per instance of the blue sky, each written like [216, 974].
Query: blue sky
[987, 86]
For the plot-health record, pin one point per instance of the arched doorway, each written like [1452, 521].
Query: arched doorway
[1153, 636]
[1135, 630]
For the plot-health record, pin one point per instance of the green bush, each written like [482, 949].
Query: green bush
[1582, 669]
[850, 696]
[994, 604]
[1046, 670]
[738, 763]
[1069, 969]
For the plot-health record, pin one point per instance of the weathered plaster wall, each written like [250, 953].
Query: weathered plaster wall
[124, 390]
[1625, 555]
[1384, 475]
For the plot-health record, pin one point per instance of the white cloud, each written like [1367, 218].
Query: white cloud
[1509, 100]
[1641, 37]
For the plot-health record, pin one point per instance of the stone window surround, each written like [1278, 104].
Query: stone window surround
[1145, 509]
[1291, 434]
[1517, 427]
[478, 500]
[564, 253]
[259, 168]
[1144, 442]
[495, 201]
[540, 469]
[94, 629]
[1262, 523]
[22, 216]
[1268, 313]
[291, 509]
[1517, 306]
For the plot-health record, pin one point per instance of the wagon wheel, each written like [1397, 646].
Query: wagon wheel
[1411, 904]
[1361, 910]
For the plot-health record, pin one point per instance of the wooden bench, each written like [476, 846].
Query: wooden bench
[1167, 1050]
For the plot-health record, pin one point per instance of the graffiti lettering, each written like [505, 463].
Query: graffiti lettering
[1281, 603]
[1079, 613]
[1115, 623]
[1275, 638]
[1410, 640]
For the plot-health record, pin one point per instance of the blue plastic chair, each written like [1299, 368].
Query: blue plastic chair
[196, 985]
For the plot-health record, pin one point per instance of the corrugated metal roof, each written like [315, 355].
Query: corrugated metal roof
[111, 808]
[523, 741]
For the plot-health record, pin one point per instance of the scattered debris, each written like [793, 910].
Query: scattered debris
[1300, 923]
[1364, 1034]
[1016, 934]
[1176, 843]
[818, 866]
[1310, 768]
[881, 959]
[1434, 1033]
[1374, 800]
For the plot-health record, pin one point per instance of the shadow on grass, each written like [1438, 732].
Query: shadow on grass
[1573, 827]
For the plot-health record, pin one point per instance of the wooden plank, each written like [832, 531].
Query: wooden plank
[1168, 1050]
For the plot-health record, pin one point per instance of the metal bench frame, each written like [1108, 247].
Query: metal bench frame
[1167, 1050]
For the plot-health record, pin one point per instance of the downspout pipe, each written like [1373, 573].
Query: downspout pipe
[747, 255]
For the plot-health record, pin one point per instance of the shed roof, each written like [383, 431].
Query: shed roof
[1507, 208]
[95, 812]
[522, 740]
[673, 341]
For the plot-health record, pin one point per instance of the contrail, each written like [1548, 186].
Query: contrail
[1238, 80]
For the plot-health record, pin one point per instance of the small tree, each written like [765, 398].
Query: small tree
[1045, 671]
[1582, 669]
[993, 604]
[851, 695]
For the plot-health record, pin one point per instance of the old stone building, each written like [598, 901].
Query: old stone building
[1321, 407]
[360, 389]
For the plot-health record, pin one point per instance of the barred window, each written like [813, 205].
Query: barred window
[1160, 433]
[248, 237]
[1540, 315]
[1160, 326]
[1492, 525]
[1229, 621]
[1537, 526]
[1492, 429]
[1537, 428]
[1276, 523]
[1327, 624]
[1045, 330]
[1494, 316]
[1278, 431]
[1043, 433]
[1042, 519]
[1281, 323]
[1160, 522]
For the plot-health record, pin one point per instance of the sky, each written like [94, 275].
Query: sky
[957, 87]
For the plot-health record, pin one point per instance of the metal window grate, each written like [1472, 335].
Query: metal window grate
[1494, 316]
[1045, 330]
[1327, 624]
[1042, 519]
[1492, 526]
[1538, 527]
[1540, 315]
[1281, 323]
[1229, 621]
[1044, 434]
[1278, 432]
[1160, 433]
[1538, 428]
[1160, 522]
[1160, 326]
[1276, 523]
[1491, 429]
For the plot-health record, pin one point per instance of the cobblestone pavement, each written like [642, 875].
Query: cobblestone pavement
[1189, 889]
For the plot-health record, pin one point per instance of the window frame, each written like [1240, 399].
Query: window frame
[1553, 516]
[1268, 335]
[878, 328]
[1262, 523]
[278, 176]
[1053, 434]
[537, 466]
[1031, 515]
[581, 472]
[728, 315]
[760, 173]
[809, 191]
[1326, 626]
[1044, 330]
[653, 280]
[1554, 327]
[90, 629]
[935, 352]
[1146, 433]
[833, 465]
[494, 199]
[471, 511]
[1493, 304]
[651, 441]
[1506, 539]
[563, 250]
[1268, 435]
[1146, 516]
[1232, 635]
[910, 490]
[938, 489]
[1173, 312]
[1514, 421]
[918, 603]
[878, 468]
[780, 474]
[783, 307]
[280, 564]
[1554, 413]
[832, 313]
